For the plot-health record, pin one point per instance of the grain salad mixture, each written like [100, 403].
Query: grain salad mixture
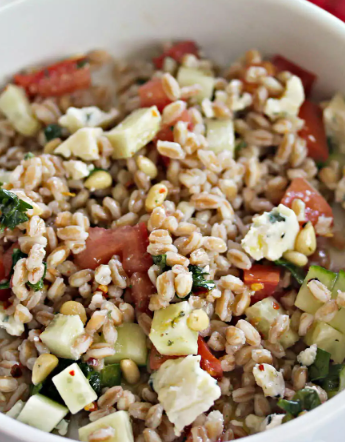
[165, 273]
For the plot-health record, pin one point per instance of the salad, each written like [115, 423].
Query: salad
[166, 272]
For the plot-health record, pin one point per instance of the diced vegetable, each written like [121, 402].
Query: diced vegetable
[177, 51]
[314, 131]
[170, 333]
[297, 272]
[315, 203]
[307, 77]
[93, 376]
[134, 132]
[191, 76]
[319, 369]
[262, 315]
[60, 78]
[60, 335]
[305, 301]
[111, 375]
[265, 275]
[15, 105]
[327, 338]
[152, 94]
[119, 421]
[74, 388]
[208, 361]
[333, 383]
[82, 144]
[220, 135]
[13, 210]
[52, 131]
[156, 359]
[338, 322]
[130, 344]
[42, 413]
[304, 400]
[142, 288]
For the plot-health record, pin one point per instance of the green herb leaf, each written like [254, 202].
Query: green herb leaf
[331, 383]
[161, 261]
[275, 217]
[291, 407]
[297, 272]
[29, 155]
[35, 389]
[81, 63]
[53, 131]
[199, 280]
[93, 376]
[111, 375]
[304, 400]
[320, 367]
[39, 285]
[13, 210]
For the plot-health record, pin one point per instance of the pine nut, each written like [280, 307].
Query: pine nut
[156, 196]
[296, 258]
[71, 308]
[198, 320]
[306, 240]
[147, 166]
[99, 180]
[130, 371]
[43, 366]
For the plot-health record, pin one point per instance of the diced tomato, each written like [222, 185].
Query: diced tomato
[141, 288]
[58, 79]
[7, 259]
[308, 78]
[156, 359]
[314, 131]
[5, 268]
[130, 242]
[316, 204]
[266, 275]
[177, 52]
[152, 94]
[208, 361]
[165, 134]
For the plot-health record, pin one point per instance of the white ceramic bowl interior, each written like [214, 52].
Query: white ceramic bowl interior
[33, 31]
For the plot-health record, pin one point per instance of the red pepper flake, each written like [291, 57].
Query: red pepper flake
[93, 362]
[162, 190]
[72, 372]
[16, 371]
[261, 367]
[275, 306]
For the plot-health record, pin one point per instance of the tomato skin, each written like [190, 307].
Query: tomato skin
[58, 79]
[134, 252]
[152, 94]
[156, 359]
[208, 361]
[308, 78]
[177, 52]
[267, 275]
[141, 290]
[316, 204]
[314, 131]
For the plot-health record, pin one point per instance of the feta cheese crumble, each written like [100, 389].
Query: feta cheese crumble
[307, 356]
[269, 379]
[77, 169]
[272, 234]
[272, 421]
[184, 390]
[91, 116]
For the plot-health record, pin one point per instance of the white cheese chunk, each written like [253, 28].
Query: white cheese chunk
[307, 356]
[184, 390]
[271, 234]
[289, 104]
[334, 120]
[82, 144]
[76, 169]
[91, 116]
[269, 379]
[10, 324]
[272, 421]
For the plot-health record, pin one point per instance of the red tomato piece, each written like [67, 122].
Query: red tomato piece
[142, 288]
[152, 94]
[177, 52]
[316, 204]
[58, 79]
[165, 134]
[7, 260]
[134, 252]
[266, 275]
[314, 131]
[308, 78]
[208, 361]
[156, 359]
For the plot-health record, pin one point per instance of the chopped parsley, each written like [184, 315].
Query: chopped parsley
[304, 400]
[161, 261]
[275, 217]
[170, 343]
[297, 272]
[39, 285]
[180, 315]
[319, 369]
[13, 210]
[53, 131]
[199, 280]
[29, 155]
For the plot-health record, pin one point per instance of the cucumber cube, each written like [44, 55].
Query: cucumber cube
[135, 131]
[60, 335]
[74, 388]
[111, 375]
[305, 301]
[130, 344]
[263, 313]
[42, 413]
[327, 338]
[119, 421]
[220, 135]
[170, 333]
[191, 76]
[338, 322]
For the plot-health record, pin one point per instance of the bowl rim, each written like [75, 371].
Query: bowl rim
[334, 406]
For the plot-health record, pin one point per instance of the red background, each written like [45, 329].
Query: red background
[336, 7]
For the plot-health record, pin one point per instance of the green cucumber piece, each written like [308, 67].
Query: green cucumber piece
[327, 338]
[190, 76]
[305, 301]
[119, 421]
[111, 375]
[42, 413]
[338, 322]
[14, 412]
[130, 344]
[263, 313]
[74, 388]
[220, 135]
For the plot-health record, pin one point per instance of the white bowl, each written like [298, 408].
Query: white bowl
[41, 30]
